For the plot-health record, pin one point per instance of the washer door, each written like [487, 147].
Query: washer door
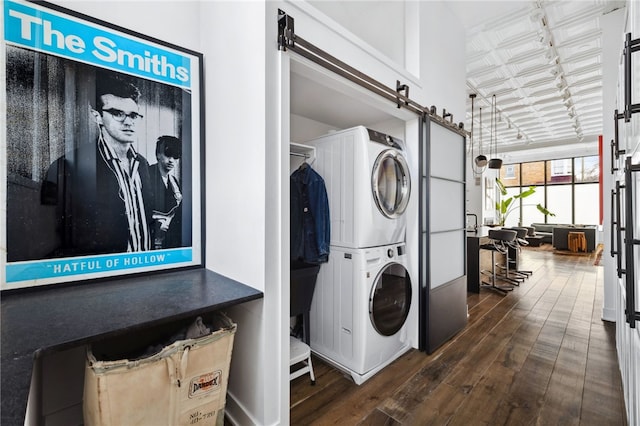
[390, 299]
[391, 183]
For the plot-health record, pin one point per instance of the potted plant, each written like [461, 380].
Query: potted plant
[507, 205]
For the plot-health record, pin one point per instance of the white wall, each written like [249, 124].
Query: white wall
[442, 60]
[475, 191]
[363, 19]
[233, 44]
[244, 199]
[175, 22]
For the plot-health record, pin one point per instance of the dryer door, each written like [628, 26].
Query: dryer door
[391, 183]
[390, 299]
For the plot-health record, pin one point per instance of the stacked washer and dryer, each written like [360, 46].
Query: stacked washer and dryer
[363, 294]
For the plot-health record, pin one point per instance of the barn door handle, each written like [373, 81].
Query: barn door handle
[619, 229]
[630, 47]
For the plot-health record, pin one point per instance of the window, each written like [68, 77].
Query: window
[560, 167]
[530, 213]
[587, 169]
[567, 187]
[586, 204]
[510, 174]
[533, 173]
[513, 218]
[559, 171]
[559, 203]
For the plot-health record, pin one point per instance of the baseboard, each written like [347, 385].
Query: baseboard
[608, 315]
[235, 412]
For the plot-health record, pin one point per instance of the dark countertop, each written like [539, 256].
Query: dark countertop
[57, 318]
[474, 239]
[481, 231]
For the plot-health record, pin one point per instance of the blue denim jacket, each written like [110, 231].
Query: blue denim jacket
[310, 225]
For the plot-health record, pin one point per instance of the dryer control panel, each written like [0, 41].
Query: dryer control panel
[391, 252]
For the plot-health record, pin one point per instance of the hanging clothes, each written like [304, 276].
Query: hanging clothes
[310, 225]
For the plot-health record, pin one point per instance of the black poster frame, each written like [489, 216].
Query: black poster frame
[74, 209]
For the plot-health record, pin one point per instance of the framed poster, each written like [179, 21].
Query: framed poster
[104, 149]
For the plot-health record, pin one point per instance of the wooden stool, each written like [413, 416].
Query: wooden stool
[577, 242]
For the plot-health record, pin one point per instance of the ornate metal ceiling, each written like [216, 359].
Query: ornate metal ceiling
[543, 61]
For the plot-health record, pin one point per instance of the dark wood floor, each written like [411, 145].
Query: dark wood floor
[539, 356]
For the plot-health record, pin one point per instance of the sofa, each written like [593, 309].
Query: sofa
[544, 230]
[557, 234]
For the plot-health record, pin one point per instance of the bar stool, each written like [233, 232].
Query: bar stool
[300, 353]
[533, 239]
[500, 238]
[516, 246]
[507, 273]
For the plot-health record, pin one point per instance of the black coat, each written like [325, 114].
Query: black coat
[164, 202]
[91, 216]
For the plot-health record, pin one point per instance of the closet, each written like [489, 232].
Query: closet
[321, 103]
[300, 154]
[303, 275]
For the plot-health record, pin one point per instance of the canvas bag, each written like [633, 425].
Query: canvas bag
[184, 384]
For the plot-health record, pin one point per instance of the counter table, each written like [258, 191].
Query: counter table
[478, 259]
[41, 321]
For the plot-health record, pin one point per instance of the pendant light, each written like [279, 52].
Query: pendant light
[480, 162]
[494, 162]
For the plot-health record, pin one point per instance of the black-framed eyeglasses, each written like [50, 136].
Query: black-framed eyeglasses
[120, 115]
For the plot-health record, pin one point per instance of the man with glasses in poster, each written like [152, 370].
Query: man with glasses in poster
[102, 190]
